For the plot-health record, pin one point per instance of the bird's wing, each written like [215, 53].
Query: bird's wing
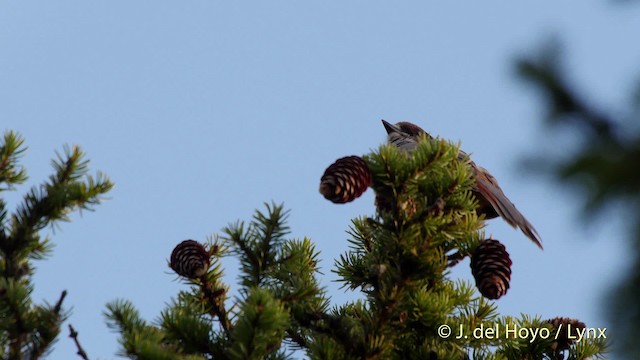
[488, 187]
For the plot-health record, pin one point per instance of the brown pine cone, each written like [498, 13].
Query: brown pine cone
[345, 180]
[189, 259]
[491, 267]
[567, 326]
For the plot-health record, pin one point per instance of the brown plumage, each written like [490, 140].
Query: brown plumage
[492, 200]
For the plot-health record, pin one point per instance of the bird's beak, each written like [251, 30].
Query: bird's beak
[390, 127]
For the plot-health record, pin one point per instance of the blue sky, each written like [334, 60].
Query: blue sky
[201, 111]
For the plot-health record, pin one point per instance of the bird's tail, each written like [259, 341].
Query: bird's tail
[488, 187]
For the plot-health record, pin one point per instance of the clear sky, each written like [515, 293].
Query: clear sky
[201, 111]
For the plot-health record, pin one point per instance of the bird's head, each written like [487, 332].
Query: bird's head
[403, 134]
[403, 127]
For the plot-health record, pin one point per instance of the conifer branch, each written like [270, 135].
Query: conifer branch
[11, 150]
[545, 73]
[28, 330]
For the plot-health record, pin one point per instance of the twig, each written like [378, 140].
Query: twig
[74, 335]
[455, 258]
[58, 306]
[216, 301]
[298, 339]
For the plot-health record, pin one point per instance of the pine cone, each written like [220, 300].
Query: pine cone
[345, 180]
[563, 341]
[491, 267]
[189, 259]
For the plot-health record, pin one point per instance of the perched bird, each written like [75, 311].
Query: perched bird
[492, 201]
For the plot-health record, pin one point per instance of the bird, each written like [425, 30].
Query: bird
[492, 202]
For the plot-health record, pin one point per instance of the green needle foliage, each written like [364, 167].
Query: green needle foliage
[28, 330]
[399, 261]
